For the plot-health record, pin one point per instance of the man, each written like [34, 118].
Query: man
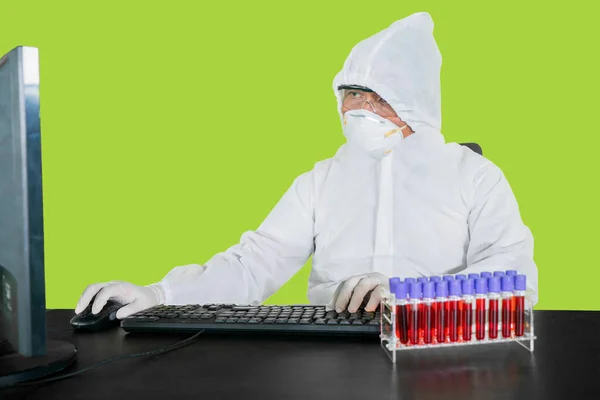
[395, 200]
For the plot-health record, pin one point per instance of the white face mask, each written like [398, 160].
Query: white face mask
[375, 134]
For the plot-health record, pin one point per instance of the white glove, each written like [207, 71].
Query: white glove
[134, 298]
[351, 293]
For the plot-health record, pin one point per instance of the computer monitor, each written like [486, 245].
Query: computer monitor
[25, 352]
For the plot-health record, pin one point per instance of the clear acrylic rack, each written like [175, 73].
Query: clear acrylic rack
[392, 344]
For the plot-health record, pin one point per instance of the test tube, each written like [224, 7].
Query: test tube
[493, 298]
[414, 302]
[480, 307]
[427, 312]
[473, 276]
[519, 296]
[507, 309]
[441, 292]
[453, 310]
[486, 274]
[467, 309]
[461, 277]
[402, 310]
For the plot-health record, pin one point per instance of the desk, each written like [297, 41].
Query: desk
[565, 365]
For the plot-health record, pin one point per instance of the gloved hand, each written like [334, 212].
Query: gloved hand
[134, 298]
[351, 293]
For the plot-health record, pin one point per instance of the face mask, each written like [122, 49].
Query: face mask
[374, 134]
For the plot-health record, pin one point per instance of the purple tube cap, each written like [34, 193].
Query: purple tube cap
[486, 274]
[461, 277]
[429, 290]
[511, 272]
[410, 280]
[448, 278]
[494, 284]
[401, 290]
[499, 273]
[422, 279]
[520, 282]
[481, 285]
[393, 284]
[473, 276]
[455, 287]
[435, 279]
[468, 286]
[441, 289]
[508, 283]
[415, 290]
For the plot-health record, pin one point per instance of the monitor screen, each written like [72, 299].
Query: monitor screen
[22, 286]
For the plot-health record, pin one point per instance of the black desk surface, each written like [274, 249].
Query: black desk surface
[565, 365]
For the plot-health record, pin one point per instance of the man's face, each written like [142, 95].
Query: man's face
[356, 99]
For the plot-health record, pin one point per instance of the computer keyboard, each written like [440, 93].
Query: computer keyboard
[301, 319]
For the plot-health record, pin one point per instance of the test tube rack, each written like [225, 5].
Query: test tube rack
[392, 344]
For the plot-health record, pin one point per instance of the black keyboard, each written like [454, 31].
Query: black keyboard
[302, 319]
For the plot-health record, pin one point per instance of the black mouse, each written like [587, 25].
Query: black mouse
[105, 319]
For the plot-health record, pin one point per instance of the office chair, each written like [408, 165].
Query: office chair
[474, 146]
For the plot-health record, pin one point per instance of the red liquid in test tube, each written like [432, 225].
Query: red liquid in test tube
[507, 309]
[441, 294]
[453, 310]
[414, 302]
[427, 312]
[480, 307]
[402, 313]
[519, 298]
[468, 289]
[493, 300]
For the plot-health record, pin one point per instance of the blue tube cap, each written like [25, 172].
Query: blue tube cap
[507, 283]
[448, 278]
[481, 285]
[401, 290]
[468, 286]
[486, 274]
[461, 277]
[422, 279]
[511, 272]
[494, 284]
[410, 280]
[499, 273]
[393, 284]
[455, 287]
[520, 282]
[435, 279]
[473, 276]
[429, 290]
[441, 289]
[415, 290]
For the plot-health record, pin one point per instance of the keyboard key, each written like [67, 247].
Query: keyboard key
[243, 320]
[254, 321]
[357, 322]
[321, 321]
[373, 322]
[207, 316]
[345, 322]
[281, 321]
[293, 321]
[220, 320]
[332, 322]
[305, 321]
[269, 321]
[231, 320]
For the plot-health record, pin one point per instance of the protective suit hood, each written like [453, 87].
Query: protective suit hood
[402, 64]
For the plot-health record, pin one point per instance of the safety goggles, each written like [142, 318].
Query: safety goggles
[359, 97]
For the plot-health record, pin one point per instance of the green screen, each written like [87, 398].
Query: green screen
[169, 130]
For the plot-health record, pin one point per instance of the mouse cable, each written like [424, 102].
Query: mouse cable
[174, 346]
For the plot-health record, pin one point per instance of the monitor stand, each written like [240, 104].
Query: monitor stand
[15, 368]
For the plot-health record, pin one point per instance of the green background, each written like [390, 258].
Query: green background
[169, 130]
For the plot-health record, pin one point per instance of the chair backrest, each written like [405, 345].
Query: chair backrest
[474, 146]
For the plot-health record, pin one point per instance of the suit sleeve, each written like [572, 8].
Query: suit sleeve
[264, 259]
[499, 240]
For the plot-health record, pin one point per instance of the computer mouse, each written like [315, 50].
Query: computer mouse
[105, 319]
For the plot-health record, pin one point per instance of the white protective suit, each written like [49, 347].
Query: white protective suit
[426, 208]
